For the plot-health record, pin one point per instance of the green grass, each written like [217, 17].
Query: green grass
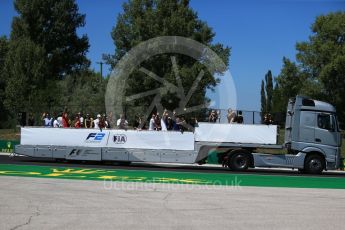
[10, 134]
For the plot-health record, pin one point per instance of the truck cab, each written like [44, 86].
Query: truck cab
[312, 140]
[312, 130]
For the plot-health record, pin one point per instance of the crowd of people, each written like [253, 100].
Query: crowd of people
[77, 121]
[232, 116]
[169, 123]
[166, 122]
[157, 122]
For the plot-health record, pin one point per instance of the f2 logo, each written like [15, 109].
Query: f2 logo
[95, 137]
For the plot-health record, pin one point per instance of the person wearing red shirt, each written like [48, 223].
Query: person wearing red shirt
[77, 123]
[65, 120]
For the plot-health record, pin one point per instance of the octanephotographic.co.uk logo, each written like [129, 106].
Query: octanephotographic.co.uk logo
[117, 100]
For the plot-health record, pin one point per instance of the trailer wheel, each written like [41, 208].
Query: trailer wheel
[314, 164]
[238, 160]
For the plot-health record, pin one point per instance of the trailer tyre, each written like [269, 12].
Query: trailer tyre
[239, 161]
[314, 164]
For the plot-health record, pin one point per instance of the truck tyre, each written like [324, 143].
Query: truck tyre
[238, 160]
[314, 164]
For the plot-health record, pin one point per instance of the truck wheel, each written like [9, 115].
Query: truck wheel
[239, 161]
[314, 164]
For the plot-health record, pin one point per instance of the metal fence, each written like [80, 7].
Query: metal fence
[249, 117]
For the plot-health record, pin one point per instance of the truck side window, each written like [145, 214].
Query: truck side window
[324, 121]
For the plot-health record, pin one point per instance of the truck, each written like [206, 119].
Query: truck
[312, 142]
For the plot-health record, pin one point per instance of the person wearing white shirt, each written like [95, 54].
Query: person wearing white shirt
[96, 122]
[152, 122]
[56, 123]
[81, 119]
[59, 120]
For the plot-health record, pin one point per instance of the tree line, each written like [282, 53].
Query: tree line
[318, 72]
[44, 67]
[43, 64]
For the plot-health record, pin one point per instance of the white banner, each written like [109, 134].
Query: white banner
[208, 132]
[151, 139]
[236, 133]
[64, 137]
[107, 138]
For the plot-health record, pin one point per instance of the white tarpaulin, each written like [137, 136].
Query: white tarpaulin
[107, 138]
[236, 133]
[151, 140]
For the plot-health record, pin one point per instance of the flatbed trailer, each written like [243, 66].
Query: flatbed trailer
[312, 139]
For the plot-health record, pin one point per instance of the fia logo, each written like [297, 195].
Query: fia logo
[120, 138]
[95, 137]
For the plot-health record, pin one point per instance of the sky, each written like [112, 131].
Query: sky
[260, 34]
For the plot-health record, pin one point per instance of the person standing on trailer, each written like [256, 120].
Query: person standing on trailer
[88, 122]
[158, 125]
[81, 119]
[231, 116]
[102, 124]
[213, 117]
[47, 120]
[65, 123]
[56, 122]
[96, 122]
[239, 118]
[77, 123]
[122, 123]
[152, 123]
[59, 119]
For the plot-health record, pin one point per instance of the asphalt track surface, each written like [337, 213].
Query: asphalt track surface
[51, 203]
[22, 160]
[35, 203]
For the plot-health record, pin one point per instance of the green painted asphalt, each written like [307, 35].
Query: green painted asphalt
[225, 179]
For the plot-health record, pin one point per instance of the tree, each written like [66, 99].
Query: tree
[269, 91]
[43, 48]
[3, 52]
[288, 84]
[263, 100]
[266, 94]
[24, 71]
[84, 92]
[145, 19]
[322, 58]
[52, 24]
